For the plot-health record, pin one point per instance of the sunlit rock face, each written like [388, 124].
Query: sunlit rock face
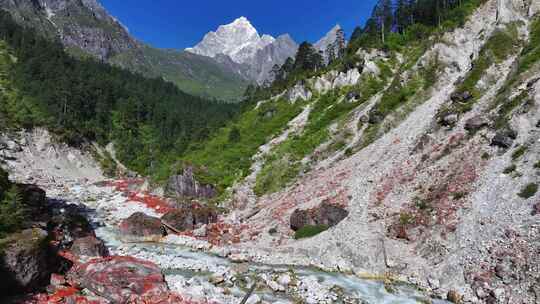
[254, 55]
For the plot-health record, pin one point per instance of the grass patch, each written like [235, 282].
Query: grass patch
[275, 175]
[309, 231]
[531, 53]
[227, 159]
[503, 114]
[528, 191]
[510, 169]
[498, 48]
[519, 152]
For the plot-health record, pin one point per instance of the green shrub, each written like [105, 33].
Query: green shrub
[228, 160]
[528, 191]
[275, 175]
[519, 152]
[510, 169]
[309, 231]
[406, 218]
[12, 213]
[531, 53]
[537, 165]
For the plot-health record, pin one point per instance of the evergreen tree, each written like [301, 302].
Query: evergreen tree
[307, 58]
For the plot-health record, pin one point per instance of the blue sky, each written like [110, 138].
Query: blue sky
[180, 24]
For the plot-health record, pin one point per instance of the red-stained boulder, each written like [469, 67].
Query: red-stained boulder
[142, 225]
[121, 279]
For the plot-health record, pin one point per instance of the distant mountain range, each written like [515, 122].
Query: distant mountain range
[87, 29]
[219, 67]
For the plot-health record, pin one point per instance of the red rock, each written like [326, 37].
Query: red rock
[121, 279]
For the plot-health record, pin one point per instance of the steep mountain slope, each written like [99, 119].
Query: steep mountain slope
[333, 44]
[85, 28]
[253, 54]
[432, 149]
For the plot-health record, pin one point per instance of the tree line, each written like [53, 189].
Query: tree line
[392, 24]
[82, 99]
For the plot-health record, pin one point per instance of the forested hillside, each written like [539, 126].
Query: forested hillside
[86, 29]
[148, 119]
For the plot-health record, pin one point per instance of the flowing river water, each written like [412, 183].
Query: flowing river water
[216, 279]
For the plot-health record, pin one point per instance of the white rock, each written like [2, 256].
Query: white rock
[275, 286]
[284, 279]
[200, 232]
[254, 299]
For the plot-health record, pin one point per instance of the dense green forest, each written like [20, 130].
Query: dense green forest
[149, 120]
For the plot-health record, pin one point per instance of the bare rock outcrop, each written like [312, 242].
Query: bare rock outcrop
[27, 262]
[186, 186]
[189, 218]
[325, 214]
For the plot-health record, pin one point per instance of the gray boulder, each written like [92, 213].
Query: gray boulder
[186, 186]
[26, 262]
[89, 247]
[449, 120]
[325, 214]
[461, 96]
[189, 218]
[504, 138]
[142, 225]
[475, 124]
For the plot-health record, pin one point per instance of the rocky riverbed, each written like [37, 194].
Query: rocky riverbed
[201, 271]
[211, 264]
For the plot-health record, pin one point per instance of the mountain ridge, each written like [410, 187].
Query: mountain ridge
[255, 54]
[85, 28]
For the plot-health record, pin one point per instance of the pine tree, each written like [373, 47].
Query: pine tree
[307, 58]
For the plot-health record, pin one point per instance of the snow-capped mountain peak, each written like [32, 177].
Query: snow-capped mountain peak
[238, 40]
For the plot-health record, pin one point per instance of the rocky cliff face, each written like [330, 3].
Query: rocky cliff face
[79, 24]
[186, 186]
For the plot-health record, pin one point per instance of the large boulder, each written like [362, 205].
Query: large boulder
[189, 218]
[26, 262]
[325, 214]
[475, 124]
[504, 138]
[89, 247]
[186, 186]
[32, 195]
[142, 225]
[121, 279]
[69, 224]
